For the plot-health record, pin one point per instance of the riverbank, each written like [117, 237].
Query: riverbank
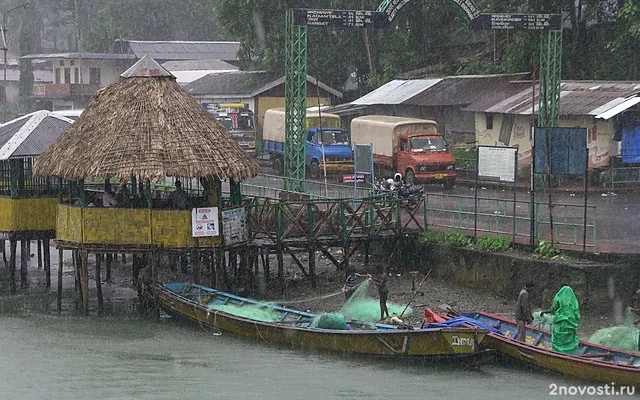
[326, 297]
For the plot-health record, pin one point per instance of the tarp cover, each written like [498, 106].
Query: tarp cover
[631, 145]
[622, 337]
[566, 319]
[460, 321]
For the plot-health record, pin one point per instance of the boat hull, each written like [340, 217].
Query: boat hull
[537, 352]
[392, 342]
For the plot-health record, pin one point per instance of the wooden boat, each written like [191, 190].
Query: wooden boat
[211, 307]
[592, 362]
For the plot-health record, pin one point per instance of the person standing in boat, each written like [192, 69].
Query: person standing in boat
[523, 312]
[349, 287]
[380, 280]
[566, 320]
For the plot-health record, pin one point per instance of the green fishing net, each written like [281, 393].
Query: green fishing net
[566, 319]
[621, 337]
[542, 321]
[329, 321]
[362, 307]
[258, 313]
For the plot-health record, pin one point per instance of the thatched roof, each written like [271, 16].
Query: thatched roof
[145, 125]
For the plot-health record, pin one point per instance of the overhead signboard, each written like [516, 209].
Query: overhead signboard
[341, 18]
[540, 22]
[497, 163]
[204, 222]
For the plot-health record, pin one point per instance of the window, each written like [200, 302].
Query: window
[76, 75]
[489, 121]
[57, 79]
[404, 144]
[94, 76]
[72, 63]
[62, 63]
[67, 75]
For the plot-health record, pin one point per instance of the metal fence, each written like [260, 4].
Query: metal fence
[496, 216]
[271, 186]
[623, 174]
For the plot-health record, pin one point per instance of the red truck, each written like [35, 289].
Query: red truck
[410, 146]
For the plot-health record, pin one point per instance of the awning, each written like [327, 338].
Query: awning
[617, 109]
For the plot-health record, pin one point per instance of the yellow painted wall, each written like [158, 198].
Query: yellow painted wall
[37, 214]
[128, 227]
[599, 136]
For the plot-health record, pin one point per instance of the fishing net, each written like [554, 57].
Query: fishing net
[566, 319]
[542, 321]
[258, 313]
[329, 321]
[361, 307]
[621, 337]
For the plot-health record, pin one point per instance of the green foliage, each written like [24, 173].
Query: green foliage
[493, 243]
[465, 159]
[449, 238]
[545, 251]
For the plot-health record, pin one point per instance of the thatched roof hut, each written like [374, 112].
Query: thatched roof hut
[147, 126]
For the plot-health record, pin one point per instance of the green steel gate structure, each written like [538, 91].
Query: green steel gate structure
[296, 84]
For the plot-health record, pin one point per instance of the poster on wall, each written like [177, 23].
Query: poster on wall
[235, 228]
[204, 222]
[497, 163]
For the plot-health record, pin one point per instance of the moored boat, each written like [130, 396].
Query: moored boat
[275, 324]
[591, 362]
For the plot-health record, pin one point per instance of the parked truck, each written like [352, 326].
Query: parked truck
[410, 146]
[328, 146]
[238, 120]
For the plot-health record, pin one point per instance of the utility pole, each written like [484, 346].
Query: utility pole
[4, 51]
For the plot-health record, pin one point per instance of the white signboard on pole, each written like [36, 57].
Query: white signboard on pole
[204, 222]
[497, 163]
[235, 226]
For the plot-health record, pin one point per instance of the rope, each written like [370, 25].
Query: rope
[326, 296]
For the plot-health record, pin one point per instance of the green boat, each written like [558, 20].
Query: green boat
[276, 324]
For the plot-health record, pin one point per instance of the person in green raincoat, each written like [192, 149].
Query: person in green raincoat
[566, 320]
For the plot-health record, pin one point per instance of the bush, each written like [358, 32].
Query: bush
[545, 251]
[493, 243]
[449, 238]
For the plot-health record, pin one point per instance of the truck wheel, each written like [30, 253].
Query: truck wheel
[410, 177]
[449, 184]
[314, 170]
[278, 165]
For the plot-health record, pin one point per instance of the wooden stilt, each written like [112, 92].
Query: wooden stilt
[124, 258]
[109, 259]
[13, 248]
[4, 253]
[345, 256]
[195, 255]
[39, 242]
[60, 264]
[312, 266]
[280, 268]
[99, 283]
[84, 266]
[367, 245]
[47, 262]
[24, 259]
[76, 270]
[265, 264]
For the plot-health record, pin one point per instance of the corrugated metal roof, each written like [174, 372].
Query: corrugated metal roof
[461, 90]
[30, 134]
[396, 92]
[185, 50]
[199, 65]
[576, 98]
[75, 56]
[146, 67]
[244, 83]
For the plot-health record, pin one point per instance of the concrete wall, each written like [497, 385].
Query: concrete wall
[505, 274]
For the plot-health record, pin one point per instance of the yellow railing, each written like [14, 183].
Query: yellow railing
[35, 214]
[128, 227]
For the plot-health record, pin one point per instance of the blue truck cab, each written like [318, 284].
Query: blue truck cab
[327, 148]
